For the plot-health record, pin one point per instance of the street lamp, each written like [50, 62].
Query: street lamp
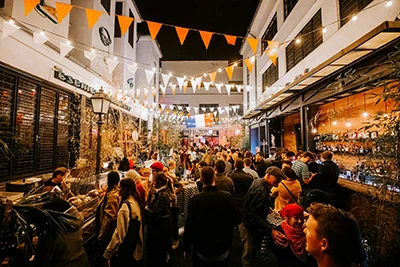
[100, 103]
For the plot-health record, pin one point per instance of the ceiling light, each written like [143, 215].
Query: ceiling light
[298, 41]
[324, 30]
[354, 18]
[389, 3]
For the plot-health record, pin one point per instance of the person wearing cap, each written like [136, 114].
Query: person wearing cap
[255, 209]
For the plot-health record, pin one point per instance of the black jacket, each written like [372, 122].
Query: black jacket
[327, 177]
[256, 208]
[242, 181]
[261, 167]
[212, 216]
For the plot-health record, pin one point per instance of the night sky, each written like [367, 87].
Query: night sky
[224, 16]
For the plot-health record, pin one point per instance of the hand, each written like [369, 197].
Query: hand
[279, 238]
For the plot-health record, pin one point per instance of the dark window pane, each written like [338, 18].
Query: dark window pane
[131, 31]
[288, 6]
[269, 33]
[107, 5]
[348, 9]
[118, 11]
[270, 76]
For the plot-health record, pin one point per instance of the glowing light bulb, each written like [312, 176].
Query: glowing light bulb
[298, 41]
[68, 42]
[348, 124]
[135, 64]
[314, 130]
[324, 30]
[42, 33]
[334, 123]
[115, 58]
[154, 69]
[365, 114]
[184, 77]
[205, 74]
[219, 70]
[235, 64]
[354, 18]
[93, 50]
[389, 3]
[11, 22]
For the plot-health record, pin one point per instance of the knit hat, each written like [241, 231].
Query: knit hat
[275, 171]
[291, 210]
[158, 166]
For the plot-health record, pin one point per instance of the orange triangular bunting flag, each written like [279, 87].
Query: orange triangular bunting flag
[213, 75]
[206, 36]
[124, 23]
[229, 71]
[249, 64]
[29, 5]
[182, 32]
[62, 11]
[253, 44]
[272, 51]
[154, 28]
[230, 39]
[92, 17]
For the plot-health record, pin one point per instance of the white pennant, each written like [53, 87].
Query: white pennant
[188, 109]
[228, 88]
[203, 109]
[89, 55]
[193, 82]
[163, 89]
[196, 110]
[179, 107]
[39, 39]
[239, 88]
[111, 64]
[8, 29]
[207, 85]
[171, 107]
[173, 88]
[218, 85]
[215, 114]
[227, 109]
[248, 87]
[180, 82]
[212, 109]
[219, 109]
[198, 81]
[64, 49]
[149, 75]
[132, 68]
[162, 106]
[165, 78]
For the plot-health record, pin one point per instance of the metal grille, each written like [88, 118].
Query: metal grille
[270, 76]
[288, 6]
[269, 33]
[63, 130]
[348, 9]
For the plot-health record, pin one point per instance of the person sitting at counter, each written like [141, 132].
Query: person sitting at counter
[300, 167]
[58, 179]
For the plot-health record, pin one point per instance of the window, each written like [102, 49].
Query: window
[270, 33]
[118, 11]
[348, 9]
[311, 38]
[107, 5]
[131, 30]
[289, 5]
[270, 76]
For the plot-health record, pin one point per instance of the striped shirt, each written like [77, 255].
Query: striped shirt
[301, 170]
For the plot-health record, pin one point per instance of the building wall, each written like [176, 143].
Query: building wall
[289, 134]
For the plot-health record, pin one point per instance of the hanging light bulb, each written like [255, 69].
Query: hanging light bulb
[354, 18]
[365, 114]
[205, 74]
[348, 124]
[235, 64]
[11, 22]
[334, 123]
[219, 70]
[42, 33]
[298, 41]
[324, 30]
[314, 130]
[389, 3]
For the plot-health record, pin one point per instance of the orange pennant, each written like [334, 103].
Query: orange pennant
[253, 44]
[230, 39]
[29, 5]
[62, 11]
[229, 71]
[154, 28]
[213, 75]
[182, 32]
[124, 23]
[185, 85]
[92, 17]
[249, 64]
[206, 36]
[272, 51]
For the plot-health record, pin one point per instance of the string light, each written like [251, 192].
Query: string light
[235, 64]
[298, 41]
[219, 70]
[11, 22]
[93, 50]
[170, 74]
[42, 33]
[334, 123]
[389, 3]
[314, 130]
[324, 30]
[348, 124]
[68, 42]
[205, 74]
[154, 69]
[354, 18]
[365, 114]
[115, 58]
[135, 64]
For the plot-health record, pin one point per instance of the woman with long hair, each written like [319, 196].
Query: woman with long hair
[158, 218]
[130, 210]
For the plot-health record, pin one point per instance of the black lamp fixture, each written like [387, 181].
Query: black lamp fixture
[101, 104]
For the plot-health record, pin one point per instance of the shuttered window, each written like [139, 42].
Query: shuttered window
[288, 6]
[270, 76]
[348, 9]
[63, 130]
[310, 38]
[270, 33]
[6, 130]
[131, 30]
[118, 11]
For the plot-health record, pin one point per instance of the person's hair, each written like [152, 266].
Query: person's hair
[128, 188]
[59, 171]
[289, 173]
[195, 161]
[154, 156]
[203, 164]
[299, 154]
[247, 161]
[341, 230]
[327, 155]
[224, 155]
[207, 175]
[171, 163]
[112, 180]
[239, 164]
[288, 162]
[57, 204]
[260, 153]
[290, 154]
[308, 155]
[220, 166]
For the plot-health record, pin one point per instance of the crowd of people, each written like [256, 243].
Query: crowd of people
[283, 209]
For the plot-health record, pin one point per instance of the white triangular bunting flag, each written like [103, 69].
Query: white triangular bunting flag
[132, 68]
[218, 85]
[163, 89]
[179, 107]
[188, 109]
[8, 29]
[227, 109]
[180, 82]
[203, 109]
[89, 55]
[165, 78]
[219, 109]
[196, 110]
[228, 88]
[239, 88]
[39, 39]
[162, 106]
[207, 85]
[248, 87]
[171, 107]
[149, 75]
[64, 49]
[198, 81]
[212, 109]
[193, 82]
[215, 114]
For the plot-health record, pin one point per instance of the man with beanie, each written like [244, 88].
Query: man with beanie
[254, 212]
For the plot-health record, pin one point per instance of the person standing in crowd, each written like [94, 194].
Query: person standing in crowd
[173, 170]
[327, 177]
[287, 156]
[260, 164]
[254, 212]
[66, 249]
[300, 167]
[137, 178]
[228, 165]
[247, 168]
[106, 216]
[58, 179]
[207, 157]
[158, 217]
[212, 216]
[242, 181]
[333, 237]
[223, 182]
[288, 191]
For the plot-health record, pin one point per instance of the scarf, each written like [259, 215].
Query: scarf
[297, 239]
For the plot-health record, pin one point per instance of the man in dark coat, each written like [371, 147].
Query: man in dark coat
[222, 182]
[242, 181]
[260, 164]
